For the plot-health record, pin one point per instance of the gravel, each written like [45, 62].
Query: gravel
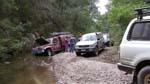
[108, 55]
[70, 69]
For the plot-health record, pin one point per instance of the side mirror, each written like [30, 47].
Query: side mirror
[147, 1]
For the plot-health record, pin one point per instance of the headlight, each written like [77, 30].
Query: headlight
[92, 46]
[76, 46]
[40, 49]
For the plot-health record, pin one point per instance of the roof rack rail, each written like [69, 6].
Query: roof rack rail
[142, 12]
[59, 33]
[147, 1]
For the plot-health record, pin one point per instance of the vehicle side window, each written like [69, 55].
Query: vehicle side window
[49, 40]
[101, 36]
[98, 36]
[140, 31]
[55, 40]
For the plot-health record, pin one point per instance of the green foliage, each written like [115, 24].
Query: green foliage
[21, 17]
[120, 12]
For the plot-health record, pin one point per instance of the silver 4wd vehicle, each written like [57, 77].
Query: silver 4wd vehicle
[90, 43]
[135, 48]
[107, 40]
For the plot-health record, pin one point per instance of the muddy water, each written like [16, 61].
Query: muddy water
[28, 70]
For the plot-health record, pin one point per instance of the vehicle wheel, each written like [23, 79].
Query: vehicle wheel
[78, 54]
[144, 75]
[112, 43]
[96, 52]
[49, 52]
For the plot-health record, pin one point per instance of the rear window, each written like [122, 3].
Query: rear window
[140, 31]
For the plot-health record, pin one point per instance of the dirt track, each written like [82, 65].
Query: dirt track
[108, 55]
[101, 69]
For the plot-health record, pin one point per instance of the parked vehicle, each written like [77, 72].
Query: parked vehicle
[90, 43]
[135, 48]
[48, 47]
[107, 40]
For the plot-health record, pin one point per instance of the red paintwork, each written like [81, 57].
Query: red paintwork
[60, 45]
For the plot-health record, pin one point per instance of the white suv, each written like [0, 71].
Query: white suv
[135, 50]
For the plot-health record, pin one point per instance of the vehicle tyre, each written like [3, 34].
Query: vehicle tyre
[49, 52]
[111, 43]
[78, 54]
[108, 44]
[144, 75]
[96, 52]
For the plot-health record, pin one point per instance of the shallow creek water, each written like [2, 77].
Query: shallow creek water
[27, 70]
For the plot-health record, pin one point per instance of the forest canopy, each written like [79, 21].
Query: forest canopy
[120, 13]
[21, 20]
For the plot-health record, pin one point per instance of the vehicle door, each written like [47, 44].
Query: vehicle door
[99, 41]
[56, 44]
[137, 41]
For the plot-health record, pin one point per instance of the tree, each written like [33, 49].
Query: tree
[19, 18]
[120, 12]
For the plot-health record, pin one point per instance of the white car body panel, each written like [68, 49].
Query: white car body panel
[134, 52]
[86, 43]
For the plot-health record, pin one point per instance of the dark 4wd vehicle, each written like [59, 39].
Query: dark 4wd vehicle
[51, 45]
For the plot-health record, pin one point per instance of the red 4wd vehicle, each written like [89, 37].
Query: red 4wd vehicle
[49, 46]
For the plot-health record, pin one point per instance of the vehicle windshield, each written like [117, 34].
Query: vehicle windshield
[49, 40]
[89, 37]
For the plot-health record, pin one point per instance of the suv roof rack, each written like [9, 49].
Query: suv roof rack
[60, 33]
[142, 12]
[147, 1]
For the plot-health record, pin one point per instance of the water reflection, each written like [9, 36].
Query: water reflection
[28, 70]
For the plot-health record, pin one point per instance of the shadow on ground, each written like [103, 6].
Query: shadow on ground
[89, 55]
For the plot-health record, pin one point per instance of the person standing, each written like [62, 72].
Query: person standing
[66, 44]
[72, 44]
